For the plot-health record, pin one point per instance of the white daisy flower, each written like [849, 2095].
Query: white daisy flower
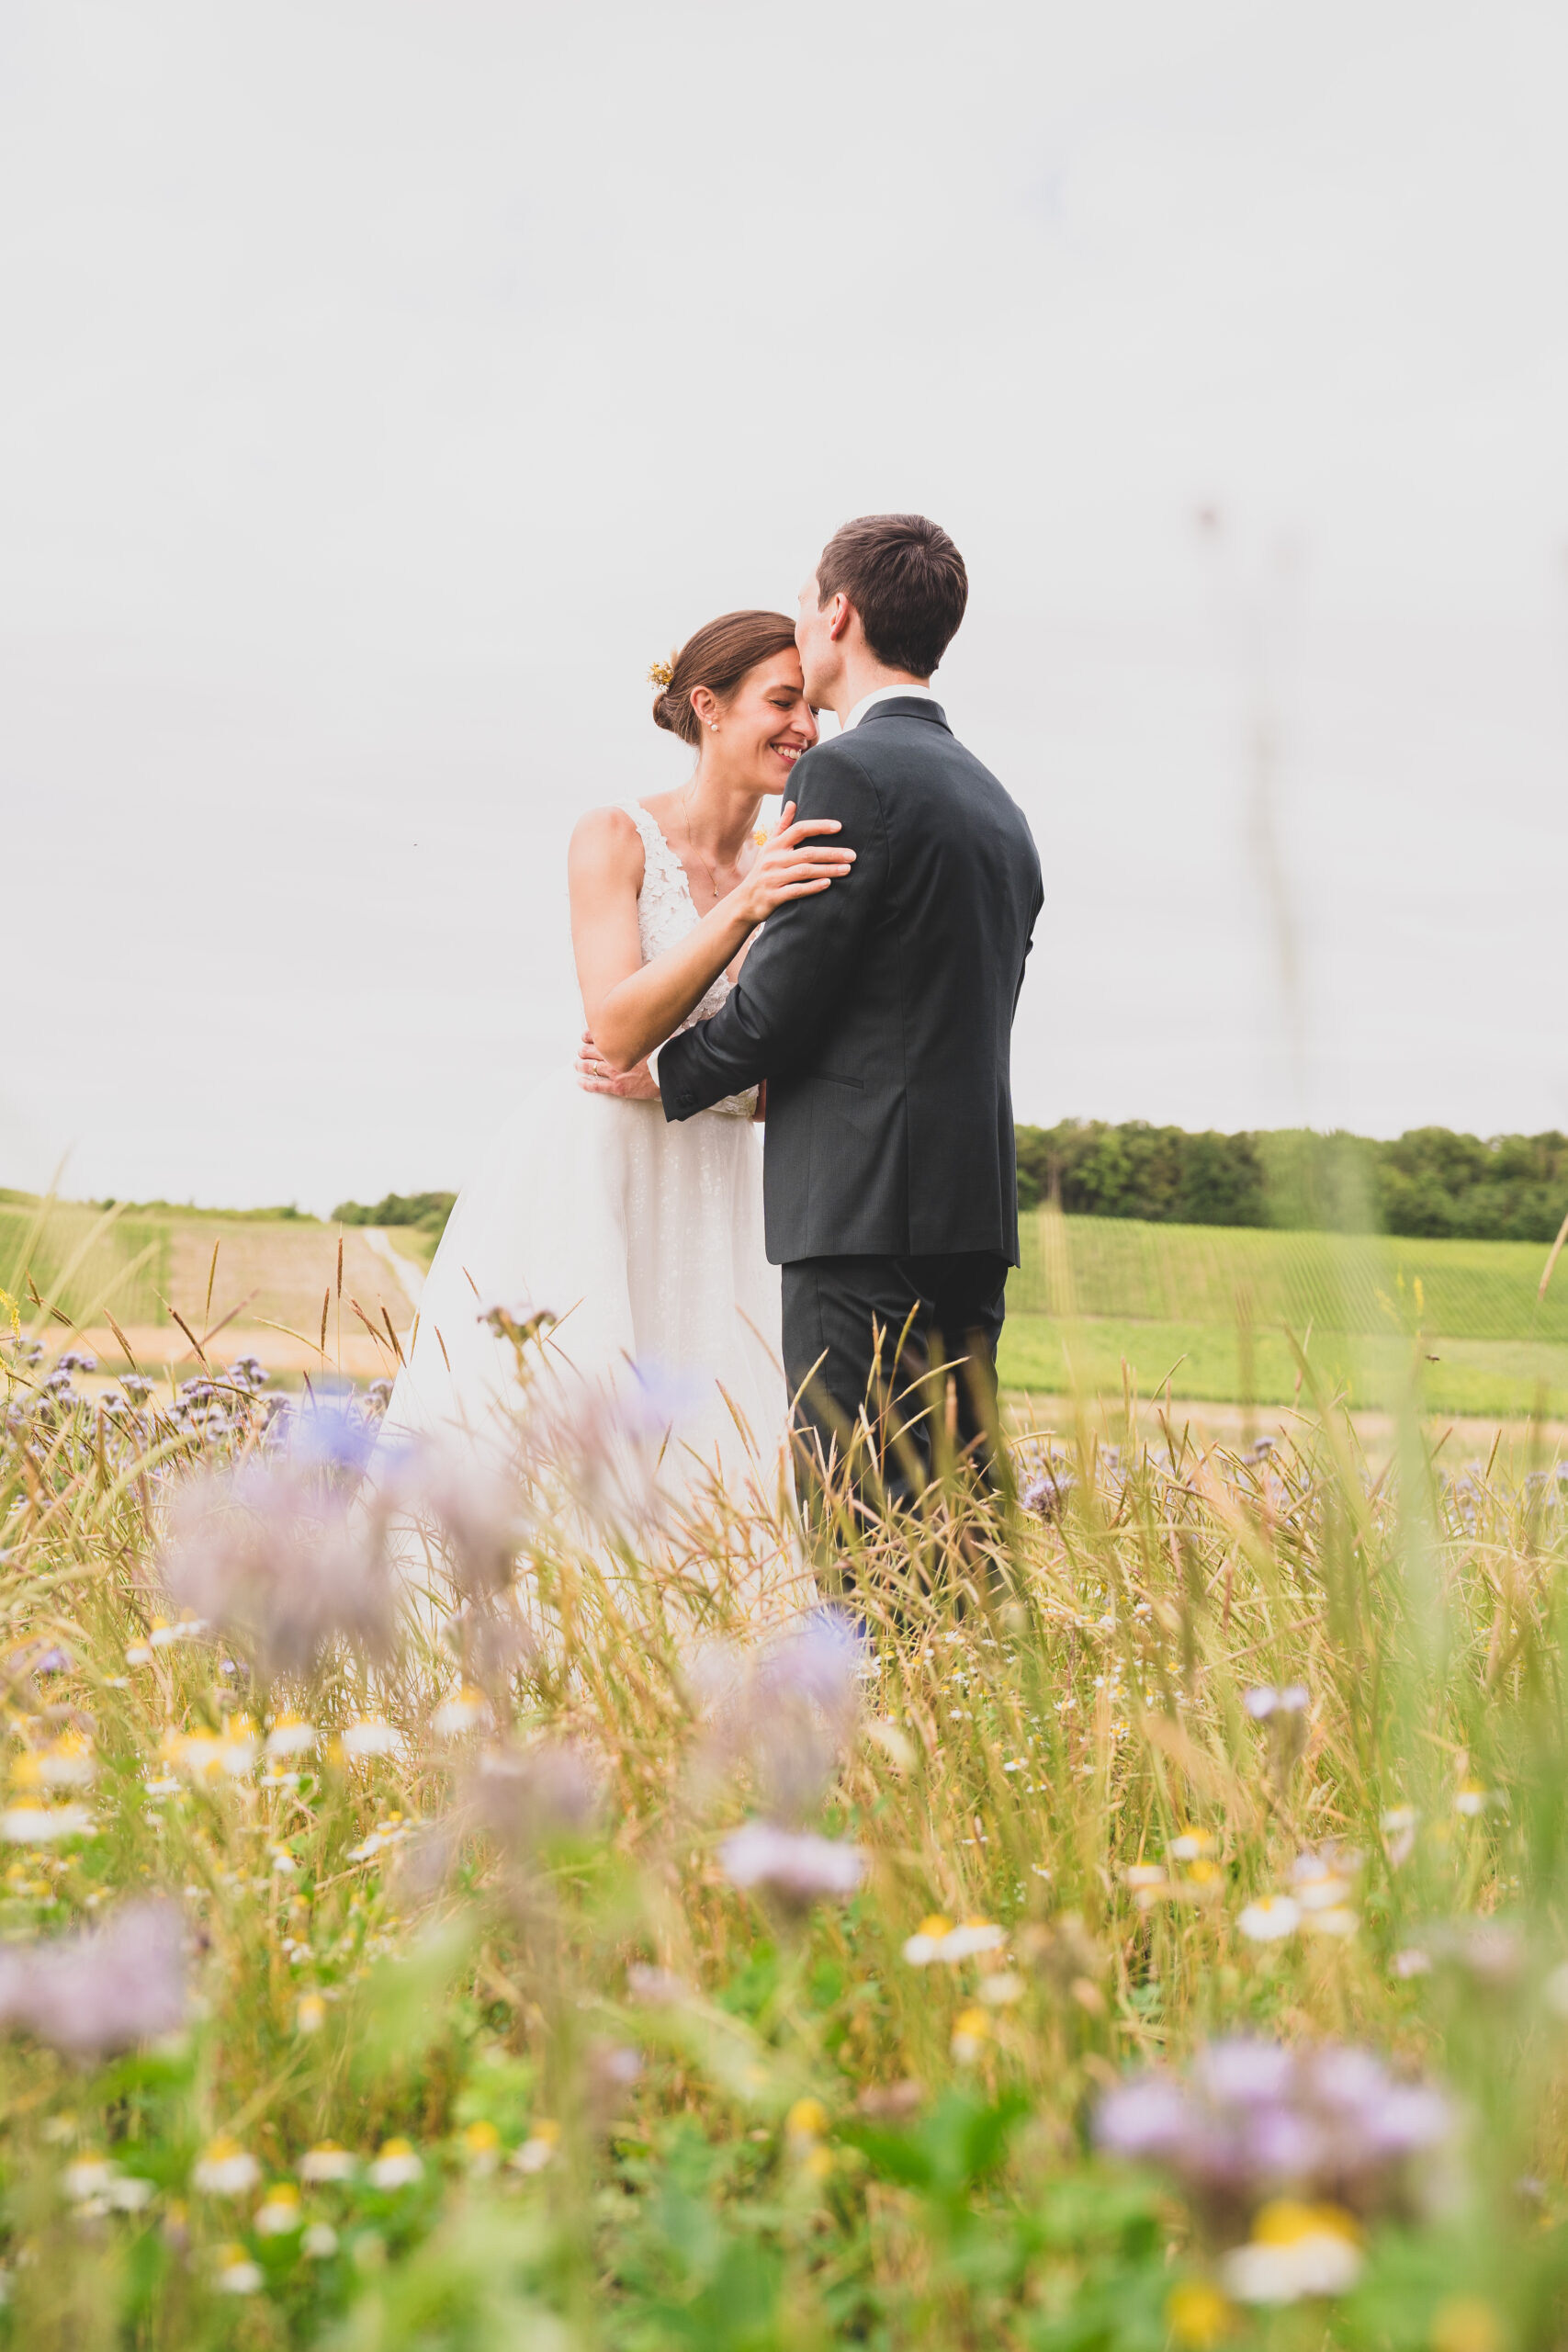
[1270, 1919]
[938, 1938]
[278, 2213]
[67, 1764]
[89, 2177]
[44, 1825]
[459, 1711]
[129, 2193]
[537, 2149]
[371, 1735]
[237, 2274]
[1338, 1919]
[290, 1736]
[225, 2169]
[399, 2165]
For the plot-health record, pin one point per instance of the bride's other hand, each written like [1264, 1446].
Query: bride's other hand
[595, 1077]
[793, 864]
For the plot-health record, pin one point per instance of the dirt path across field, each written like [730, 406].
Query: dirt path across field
[271, 1286]
[409, 1272]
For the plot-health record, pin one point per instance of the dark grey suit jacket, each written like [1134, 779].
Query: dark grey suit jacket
[880, 1010]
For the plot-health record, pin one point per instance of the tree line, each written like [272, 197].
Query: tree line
[1427, 1181]
[428, 1210]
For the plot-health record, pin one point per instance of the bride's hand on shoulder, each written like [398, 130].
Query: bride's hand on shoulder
[595, 1076]
[793, 863]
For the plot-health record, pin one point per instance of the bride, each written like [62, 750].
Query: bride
[645, 1239]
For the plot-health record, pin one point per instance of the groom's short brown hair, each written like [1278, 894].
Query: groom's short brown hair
[905, 580]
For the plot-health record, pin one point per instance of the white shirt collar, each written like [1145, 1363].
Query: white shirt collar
[885, 694]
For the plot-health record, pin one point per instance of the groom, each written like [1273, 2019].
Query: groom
[880, 1012]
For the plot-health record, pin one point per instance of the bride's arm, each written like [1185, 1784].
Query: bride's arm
[631, 1006]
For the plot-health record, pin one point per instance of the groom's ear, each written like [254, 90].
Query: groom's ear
[841, 613]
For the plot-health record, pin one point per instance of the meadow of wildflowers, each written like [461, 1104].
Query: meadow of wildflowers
[1143, 1919]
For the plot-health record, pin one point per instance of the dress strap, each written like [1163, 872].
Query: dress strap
[656, 849]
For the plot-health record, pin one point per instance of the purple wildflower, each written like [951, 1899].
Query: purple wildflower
[801, 1711]
[1254, 2120]
[480, 1520]
[606, 1442]
[1347, 2081]
[1491, 1951]
[1409, 2120]
[493, 1638]
[1278, 2144]
[279, 1568]
[1264, 1700]
[532, 1799]
[332, 1433]
[1242, 2072]
[1046, 1496]
[794, 1866]
[1142, 2120]
[657, 1400]
[612, 2069]
[655, 1988]
[91, 1995]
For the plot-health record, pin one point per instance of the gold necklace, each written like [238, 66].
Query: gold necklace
[691, 845]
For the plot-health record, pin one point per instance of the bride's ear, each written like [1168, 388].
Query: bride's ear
[704, 707]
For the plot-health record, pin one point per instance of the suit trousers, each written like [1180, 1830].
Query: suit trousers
[873, 1333]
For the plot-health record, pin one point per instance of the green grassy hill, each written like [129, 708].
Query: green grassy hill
[271, 1266]
[81, 1257]
[1210, 1305]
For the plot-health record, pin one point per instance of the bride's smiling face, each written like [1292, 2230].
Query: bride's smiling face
[765, 725]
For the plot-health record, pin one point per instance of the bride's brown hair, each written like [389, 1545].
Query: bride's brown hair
[717, 657]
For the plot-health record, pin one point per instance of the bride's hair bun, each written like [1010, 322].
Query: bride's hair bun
[716, 657]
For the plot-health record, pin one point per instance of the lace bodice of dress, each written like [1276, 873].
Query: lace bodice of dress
[666, 912]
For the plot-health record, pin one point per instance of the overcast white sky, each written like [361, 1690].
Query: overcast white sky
[385, 385]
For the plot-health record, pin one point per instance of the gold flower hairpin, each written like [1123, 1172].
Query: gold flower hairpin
[662, 673]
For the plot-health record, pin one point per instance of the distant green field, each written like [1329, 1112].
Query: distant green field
[125, 1266]
[1210, 1305]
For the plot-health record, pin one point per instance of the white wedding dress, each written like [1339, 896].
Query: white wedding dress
[643, 1237]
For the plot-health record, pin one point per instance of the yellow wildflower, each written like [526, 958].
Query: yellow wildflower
[1197, 2313]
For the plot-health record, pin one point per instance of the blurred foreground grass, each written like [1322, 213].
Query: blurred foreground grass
[589, 1950]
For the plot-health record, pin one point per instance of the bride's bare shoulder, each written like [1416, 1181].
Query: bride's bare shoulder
[605, 847]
